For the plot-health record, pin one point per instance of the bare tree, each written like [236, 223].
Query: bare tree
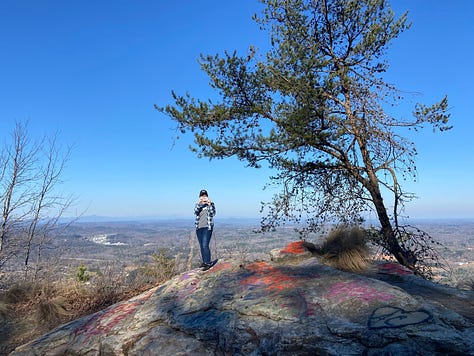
[31, 204]
[44, 201]
[17, 175]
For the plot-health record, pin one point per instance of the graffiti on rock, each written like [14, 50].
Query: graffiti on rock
[219, 267]
[393, 268]
[394, 317]
[343, 291]
[271, 278]
[102, 322]
[294, 248]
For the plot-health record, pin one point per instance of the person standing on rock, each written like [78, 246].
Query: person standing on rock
[205, 211]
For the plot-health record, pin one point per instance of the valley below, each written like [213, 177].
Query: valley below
[123, 246]
[126, 245]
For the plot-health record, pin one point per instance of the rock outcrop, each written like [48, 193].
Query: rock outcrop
[293, 305]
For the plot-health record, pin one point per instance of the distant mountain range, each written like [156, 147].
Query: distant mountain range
[190, 220]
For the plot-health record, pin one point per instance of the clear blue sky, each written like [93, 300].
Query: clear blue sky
[92, 70]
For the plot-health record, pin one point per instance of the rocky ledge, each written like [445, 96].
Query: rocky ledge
[293, 305]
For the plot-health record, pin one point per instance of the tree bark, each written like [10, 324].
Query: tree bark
[403, 256]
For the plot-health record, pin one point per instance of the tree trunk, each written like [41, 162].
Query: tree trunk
[404, 257]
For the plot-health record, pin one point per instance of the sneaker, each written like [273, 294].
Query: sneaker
[202, 265]
[207, 266]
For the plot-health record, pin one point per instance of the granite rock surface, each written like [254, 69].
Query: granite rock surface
[292, 305]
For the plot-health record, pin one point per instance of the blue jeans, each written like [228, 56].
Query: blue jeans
[204, 237]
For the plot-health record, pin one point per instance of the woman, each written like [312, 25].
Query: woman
[205, 211]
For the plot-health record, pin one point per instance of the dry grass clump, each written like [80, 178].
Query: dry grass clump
[41, 302]
[467, 284]
[5, 310]
[17, 293]
[52, 311]
[346, 249]
[53, 303]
